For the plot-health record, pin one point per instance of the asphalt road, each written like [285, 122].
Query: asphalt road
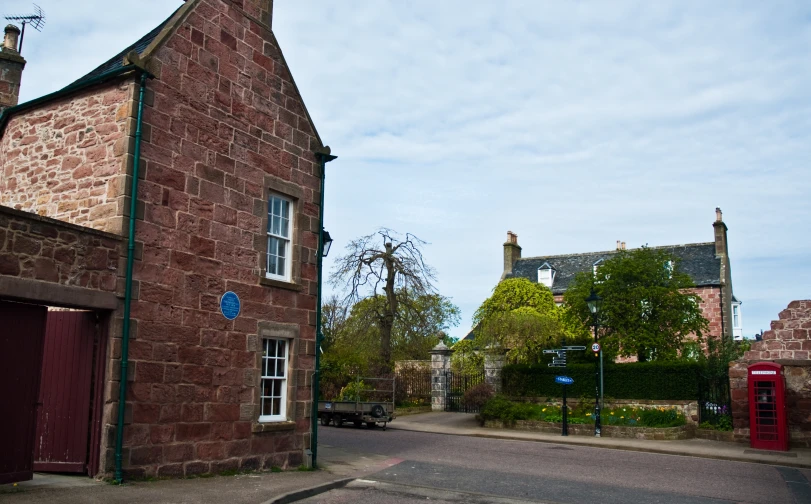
[456, 469]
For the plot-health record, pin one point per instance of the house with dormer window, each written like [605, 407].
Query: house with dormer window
[707, 264]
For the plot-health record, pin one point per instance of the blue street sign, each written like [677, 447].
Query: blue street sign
[564, 380]
[229, 305]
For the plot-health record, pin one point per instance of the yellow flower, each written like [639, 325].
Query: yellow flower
[612, 413]
[622, 417]
[543, 409]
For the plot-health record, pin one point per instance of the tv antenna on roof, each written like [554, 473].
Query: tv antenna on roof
[36, 20]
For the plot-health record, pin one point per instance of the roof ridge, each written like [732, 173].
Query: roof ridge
[615, 251]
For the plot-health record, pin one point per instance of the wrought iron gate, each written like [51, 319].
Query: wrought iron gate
[456, 384]
[714, 400]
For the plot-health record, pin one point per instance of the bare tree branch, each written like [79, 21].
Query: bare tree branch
[369, 269]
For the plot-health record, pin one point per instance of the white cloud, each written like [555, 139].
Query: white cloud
[572, 124]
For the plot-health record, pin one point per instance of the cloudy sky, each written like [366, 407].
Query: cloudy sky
[573, 124]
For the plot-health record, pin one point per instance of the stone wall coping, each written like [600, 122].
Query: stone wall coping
[20, 214]
[782, 362]
[26, 289]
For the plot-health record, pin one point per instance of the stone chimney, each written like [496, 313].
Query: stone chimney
[512, 252]
[11, 68]
[721, 248]
[260, 9]
[722, 252]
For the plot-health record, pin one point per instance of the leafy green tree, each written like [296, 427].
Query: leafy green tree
[352, 335]
[521, 319]
[647, 311]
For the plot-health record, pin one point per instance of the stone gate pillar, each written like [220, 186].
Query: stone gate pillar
[440, 364]
[492, 370]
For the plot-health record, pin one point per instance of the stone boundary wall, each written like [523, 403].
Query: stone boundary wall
[43, 249]
[788, 343]
[612, 431]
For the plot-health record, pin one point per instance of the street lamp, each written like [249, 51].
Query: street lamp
[594, 302]
[326, 240]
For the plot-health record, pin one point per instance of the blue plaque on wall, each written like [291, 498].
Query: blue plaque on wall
[229, 305]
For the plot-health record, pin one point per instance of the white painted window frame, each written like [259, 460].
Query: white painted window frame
[737, 321]
[272, 376]
[551, 278]
[288, 240]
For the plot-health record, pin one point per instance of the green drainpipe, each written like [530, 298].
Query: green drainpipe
[125, 333]
[324, 158]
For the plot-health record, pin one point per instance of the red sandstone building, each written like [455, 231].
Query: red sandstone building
[229, 198]
[707, 264]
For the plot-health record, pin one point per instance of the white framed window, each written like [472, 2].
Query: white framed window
[596, 266]
[280, 226]
[546, 275]
[273, 387]
[737, 321]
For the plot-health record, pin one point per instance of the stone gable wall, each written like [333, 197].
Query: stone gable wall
[223, 126]
[64, 160]
[788, 342]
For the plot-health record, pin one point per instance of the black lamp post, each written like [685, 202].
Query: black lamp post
[594, 301]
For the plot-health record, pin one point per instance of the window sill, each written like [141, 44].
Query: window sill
[273, 426]
[269, 282]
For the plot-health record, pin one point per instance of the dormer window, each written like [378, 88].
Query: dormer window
[596, 266]
[546, 275]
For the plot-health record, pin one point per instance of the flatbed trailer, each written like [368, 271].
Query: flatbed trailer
[371, 413]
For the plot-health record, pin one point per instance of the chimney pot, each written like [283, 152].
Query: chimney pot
[623, 245]
[512, 237]
[12, 35]
[718, 215]
[618, 245]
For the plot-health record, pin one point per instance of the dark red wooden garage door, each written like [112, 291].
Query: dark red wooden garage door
[63, 423]
[22, 330]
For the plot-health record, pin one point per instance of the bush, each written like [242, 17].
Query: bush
[501, 408]
[637, 380]
[353, 392]
[661, 417]
[477, 396]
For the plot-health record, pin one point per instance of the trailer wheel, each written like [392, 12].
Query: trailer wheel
[338, 421]
[371, 425]
[357, 423]
[325, 419]
[378, 411]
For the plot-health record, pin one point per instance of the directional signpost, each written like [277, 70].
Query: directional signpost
[560, 361]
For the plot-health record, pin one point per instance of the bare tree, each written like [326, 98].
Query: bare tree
[396, 268]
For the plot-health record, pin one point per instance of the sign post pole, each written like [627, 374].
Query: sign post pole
[560, 361]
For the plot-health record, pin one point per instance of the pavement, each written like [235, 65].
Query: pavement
[340, 467]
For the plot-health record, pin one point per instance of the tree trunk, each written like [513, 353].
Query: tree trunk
[391, 312]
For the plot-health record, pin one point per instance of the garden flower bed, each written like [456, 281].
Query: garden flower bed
[623, 422]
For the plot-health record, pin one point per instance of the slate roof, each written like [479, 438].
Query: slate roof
[696, 259]
[117, 61]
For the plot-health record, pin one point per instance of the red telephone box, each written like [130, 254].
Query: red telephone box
[768, 421]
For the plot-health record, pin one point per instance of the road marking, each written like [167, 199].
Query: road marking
[797, 484]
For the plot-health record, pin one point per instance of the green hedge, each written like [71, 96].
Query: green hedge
[636, 380]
